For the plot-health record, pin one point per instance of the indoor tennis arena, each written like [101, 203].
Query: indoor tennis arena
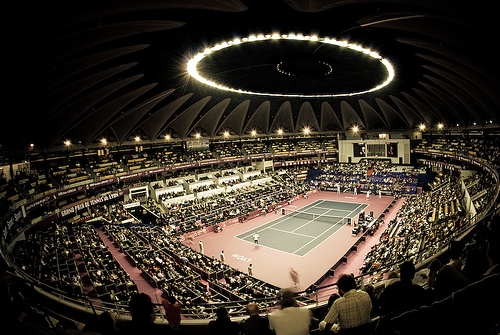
[216, 155]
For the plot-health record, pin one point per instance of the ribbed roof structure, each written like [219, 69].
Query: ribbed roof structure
[87, 70]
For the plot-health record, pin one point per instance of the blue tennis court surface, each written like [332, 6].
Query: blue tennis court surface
[300, 232]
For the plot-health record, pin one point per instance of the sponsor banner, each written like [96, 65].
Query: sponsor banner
[37, 203]
[91, 202]
[102, 183]
[70, 191]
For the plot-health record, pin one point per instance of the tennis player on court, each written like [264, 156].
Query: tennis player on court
[256, 239]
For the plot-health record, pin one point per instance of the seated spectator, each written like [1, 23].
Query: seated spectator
[432, 277]
[464, 312]
[448, 279]
[403, 295]
[255, 324]
[223, 325]
[349, 314]
[143, 317]
[493, 247]
[324, 312]
[106, 324]
[472, 309]
[370, 289]
[290, 319]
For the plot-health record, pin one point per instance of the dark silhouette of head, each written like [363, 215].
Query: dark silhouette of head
[287, 298]
[142, 308]
[346, 283]
[221, 313]
[407, 271]
[332, 298]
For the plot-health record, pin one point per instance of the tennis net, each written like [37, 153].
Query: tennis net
[316, 217]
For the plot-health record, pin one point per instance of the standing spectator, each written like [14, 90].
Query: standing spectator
[255, 324]
[223, 325]
[250, 269]
[222, 256]
[202, 248]
[256, 239]
[172, 312]
[350, 311]
[290, 319]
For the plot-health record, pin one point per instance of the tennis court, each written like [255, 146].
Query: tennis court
[298, 232]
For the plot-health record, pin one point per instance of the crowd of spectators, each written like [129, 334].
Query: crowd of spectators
[368, 176]
[415, 229]
[427, 222]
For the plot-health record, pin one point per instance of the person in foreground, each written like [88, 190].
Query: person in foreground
[324, 312]
[255, 324]
[403, 295]
[223, 325]
[290, 319]
[143, 317]
[349, 314]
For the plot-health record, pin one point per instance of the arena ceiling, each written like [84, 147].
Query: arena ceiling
[115, 69]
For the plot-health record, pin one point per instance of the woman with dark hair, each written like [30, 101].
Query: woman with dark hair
[323, 314]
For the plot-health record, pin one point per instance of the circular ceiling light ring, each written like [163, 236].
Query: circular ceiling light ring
[193, 63]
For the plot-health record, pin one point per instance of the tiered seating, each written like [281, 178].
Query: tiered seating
[110, 281]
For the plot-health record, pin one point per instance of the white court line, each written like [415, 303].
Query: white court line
[285, 218]
[291, 232]
[317, 237]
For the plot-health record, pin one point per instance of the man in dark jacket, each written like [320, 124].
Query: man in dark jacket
[255, 324]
